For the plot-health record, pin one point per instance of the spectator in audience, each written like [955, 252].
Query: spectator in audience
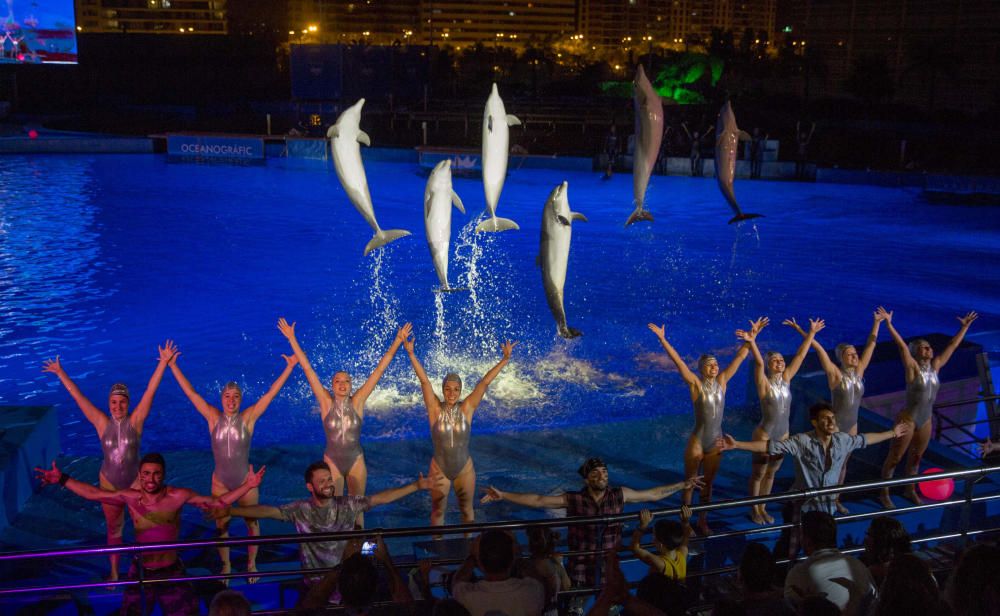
[819, 456]
[663, 593]
[818, 606]
[494, 551]
[596, 498]
[323, 512]
[671, 539]
[356, 579]
[827, 572]
[615, 598]
[756, 576]
[727, 606]
[449, 607]
[229, 603]
[974, 585]
[885, 539]
[155, 509]
[909, 589]
[545, 566]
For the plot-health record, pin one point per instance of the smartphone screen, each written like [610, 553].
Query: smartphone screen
[368, 548]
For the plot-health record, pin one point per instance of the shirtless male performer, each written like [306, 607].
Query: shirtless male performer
[155, 509]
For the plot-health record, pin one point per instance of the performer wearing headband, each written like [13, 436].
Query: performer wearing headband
[847, 385]
[775, 393]
[708, 393]
[451, 425]
[231, 432]
[342, 414]
[120, 435]
[922, 385]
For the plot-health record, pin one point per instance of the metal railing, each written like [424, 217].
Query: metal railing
[969, 476]
[941, 419]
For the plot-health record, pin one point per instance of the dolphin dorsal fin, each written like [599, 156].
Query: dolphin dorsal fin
[457, 201]
[578, 216]
[512, 120]
[364, 138]
[745, 136]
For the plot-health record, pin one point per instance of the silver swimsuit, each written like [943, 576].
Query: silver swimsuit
[450, 434]
[231, 448]
[846, 398]
[921, 393]
[708, 410]
[120, 443]
[343, 436]
[775, 407]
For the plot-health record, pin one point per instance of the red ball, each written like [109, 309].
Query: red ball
[32, 134]
[938, 489]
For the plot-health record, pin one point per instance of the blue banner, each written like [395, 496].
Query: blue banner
[233, 148]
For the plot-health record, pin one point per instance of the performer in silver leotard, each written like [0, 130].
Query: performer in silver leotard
[922, 385]
[846, 399]
[921, 393]
[231, 449]
[772, 378]
[231, 430]
[120, 443]
[120, 433]
[450, 435]
[343, 435]
[775, 407]
[450, 421]
[708, 409]
[707, 388]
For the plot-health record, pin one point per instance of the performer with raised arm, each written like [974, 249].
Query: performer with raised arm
[708, 393]
[343, 413]
[451, 426]
[325, 512]
[596, 498]
[120, 434]
[922, 386]
[775, 393]
[818, 455]
[155, 509]
[231, 432]
[847, 384]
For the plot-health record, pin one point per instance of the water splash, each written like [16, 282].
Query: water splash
[384, 310]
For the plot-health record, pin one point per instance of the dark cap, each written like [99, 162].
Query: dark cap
[590, 465]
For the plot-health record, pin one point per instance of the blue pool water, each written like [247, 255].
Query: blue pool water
[104, 257]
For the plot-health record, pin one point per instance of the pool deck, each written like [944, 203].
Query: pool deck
[639, 454]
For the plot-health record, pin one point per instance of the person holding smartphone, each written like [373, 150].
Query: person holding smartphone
[323, 512]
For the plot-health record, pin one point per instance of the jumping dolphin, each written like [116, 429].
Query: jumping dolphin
[438, 198]
[727, 142]
[648, 135]
[344, 138]
[496, 146]
[553, 253]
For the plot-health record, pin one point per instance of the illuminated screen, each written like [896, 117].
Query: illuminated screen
[37, 32]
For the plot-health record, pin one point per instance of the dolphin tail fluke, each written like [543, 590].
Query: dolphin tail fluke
[384, 237]
[496, 223]
[639, 215]
[742, 217]
[569, 333]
